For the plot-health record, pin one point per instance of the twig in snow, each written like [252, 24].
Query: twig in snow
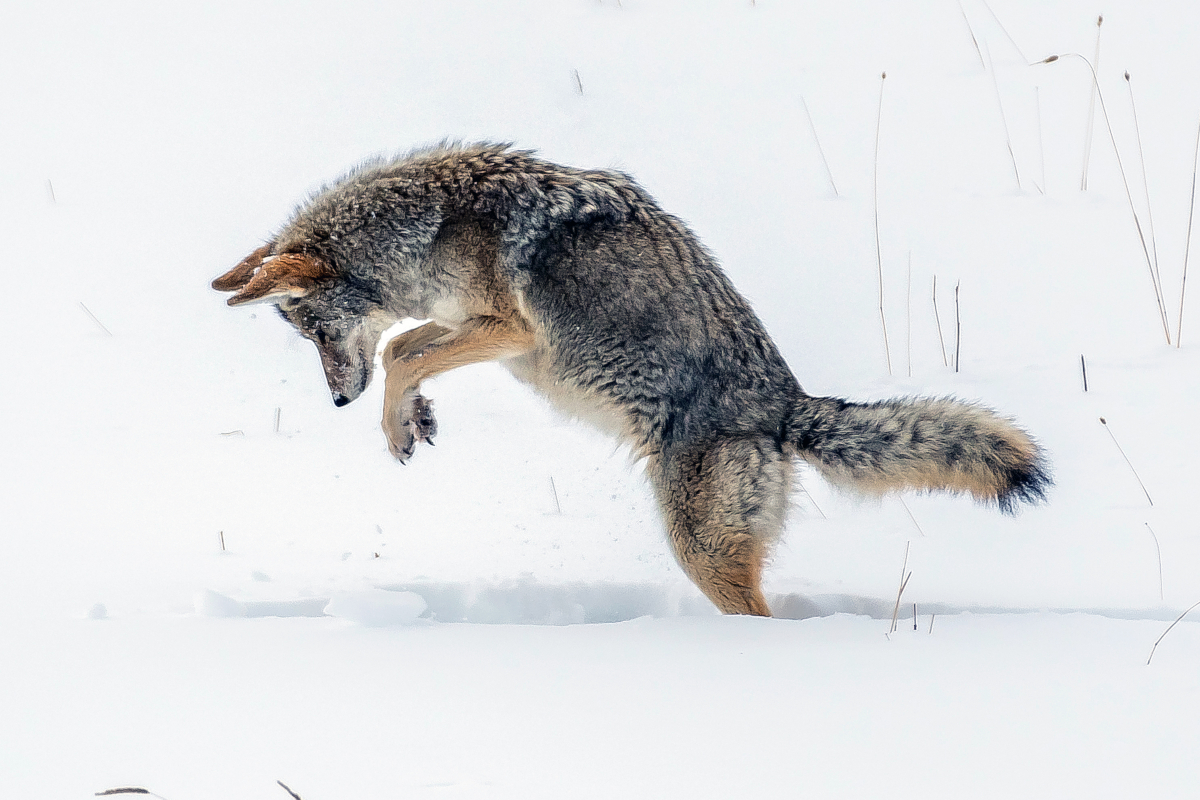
[1087, 141]
[800, 486]
[903, 582]
[916, 524]
[95, 319]
[1006, 33]
[128, 790]
[820, 149]
[971, 31]
[1145, 182]
[957, 327]
[878, 253]
[1083, 366]
[1004, 121]
[289, 791]
[1187, 243]
[1157, 552]
[578, 82]
[908, 313]
[1168, 630]
[278, 412]
[1127, 461]
[1037, 98]
[221, 534]
[1158, 296]
[937, 318]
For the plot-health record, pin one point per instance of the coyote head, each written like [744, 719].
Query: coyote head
[334, 312]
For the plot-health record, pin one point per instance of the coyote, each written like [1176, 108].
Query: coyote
[587, 291]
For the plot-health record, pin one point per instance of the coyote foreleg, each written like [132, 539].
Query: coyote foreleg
[428, 351]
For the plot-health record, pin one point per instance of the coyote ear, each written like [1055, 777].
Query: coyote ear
[240, 275]
[288, 275]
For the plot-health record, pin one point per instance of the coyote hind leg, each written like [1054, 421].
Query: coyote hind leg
[724, 506]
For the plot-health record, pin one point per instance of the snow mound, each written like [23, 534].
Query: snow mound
[377, 608]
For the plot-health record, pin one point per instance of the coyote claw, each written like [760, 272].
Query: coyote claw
[408, 423]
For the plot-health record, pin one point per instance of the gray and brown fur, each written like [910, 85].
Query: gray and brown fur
[586, 290]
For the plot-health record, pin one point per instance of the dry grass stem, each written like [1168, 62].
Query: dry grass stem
[1037, 98]
[289, 791]
[578, 82]
[957, 327]
[938, 319]
[1158, 295]
[1083, 367]
[971, 31]
[1157, 552]
[1104, 422]
[904, 576]
[908, 511]
[50, 188]
[1145, 182]
[221, 534]
[800, 486]
[887, 351]
[1187, 243]
[1168, 630]
[908, 313]
[554, 491]
[278, 414]
[821, 150]
[1091, 117]
[1007, 35]
[95, 319]
[1004, 121]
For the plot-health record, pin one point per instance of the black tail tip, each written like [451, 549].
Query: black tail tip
[340, 399]
[1026, 486]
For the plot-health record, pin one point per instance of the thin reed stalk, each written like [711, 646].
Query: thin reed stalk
[812, 127]
[1158, 553]
[971, 31]
[1104, 422]
[1091, 119]
[1168, 630]
[1007, 35]
[1004, 121]
[1037, 96]
[903, 583]
[1158, 296]
[1145, 182]
[1187, 243]
[938, 318]
[887, 351]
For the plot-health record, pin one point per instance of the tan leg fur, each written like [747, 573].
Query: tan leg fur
[427, 352]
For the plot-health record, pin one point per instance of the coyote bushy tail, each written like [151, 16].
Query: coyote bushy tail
[921, 444]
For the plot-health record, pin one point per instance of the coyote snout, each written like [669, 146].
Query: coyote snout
[587, 291]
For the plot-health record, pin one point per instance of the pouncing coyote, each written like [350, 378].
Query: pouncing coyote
[587, 291]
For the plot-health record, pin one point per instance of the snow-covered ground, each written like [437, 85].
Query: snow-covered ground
[211, 579]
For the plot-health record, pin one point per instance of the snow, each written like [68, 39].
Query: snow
[213, 580]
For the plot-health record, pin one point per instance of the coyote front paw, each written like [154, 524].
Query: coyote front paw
[408, 422]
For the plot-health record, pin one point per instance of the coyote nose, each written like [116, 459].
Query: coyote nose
[340, 399]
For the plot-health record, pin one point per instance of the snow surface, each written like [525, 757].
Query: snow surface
[212, 580]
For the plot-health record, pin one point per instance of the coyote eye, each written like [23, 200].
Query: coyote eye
[321, 336]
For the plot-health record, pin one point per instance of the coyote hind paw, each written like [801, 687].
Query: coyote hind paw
[408, 424]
